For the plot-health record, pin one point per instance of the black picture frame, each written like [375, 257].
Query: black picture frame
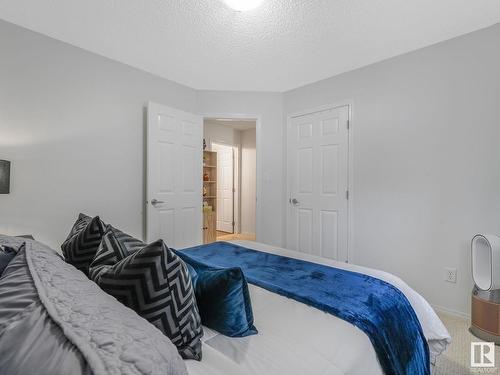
[4, 177]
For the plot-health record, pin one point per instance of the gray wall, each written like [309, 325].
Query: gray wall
[426, 128]
[248, 181]
[425, 135]
[72, 124]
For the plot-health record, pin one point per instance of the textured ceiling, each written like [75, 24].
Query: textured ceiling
[281, 45]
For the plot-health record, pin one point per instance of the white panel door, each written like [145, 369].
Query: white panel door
[225, 187]
[174, 170]
[317, 219]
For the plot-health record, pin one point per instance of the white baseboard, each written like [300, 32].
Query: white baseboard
[449, 311]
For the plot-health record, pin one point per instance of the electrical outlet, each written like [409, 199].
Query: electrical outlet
[450, 275]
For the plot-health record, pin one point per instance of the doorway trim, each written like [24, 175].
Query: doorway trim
[350, 168]
[236, 181]
[258, 152]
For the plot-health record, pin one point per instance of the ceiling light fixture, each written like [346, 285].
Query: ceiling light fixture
[243, 5]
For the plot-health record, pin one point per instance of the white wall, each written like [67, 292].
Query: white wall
[248, 181]
[72, 123]
[268, 108]
[426, 128]
[220, 134]
[426, 155]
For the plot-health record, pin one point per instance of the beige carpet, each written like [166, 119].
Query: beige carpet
[456, 359]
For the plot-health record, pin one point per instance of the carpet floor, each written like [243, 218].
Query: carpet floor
[456, 359]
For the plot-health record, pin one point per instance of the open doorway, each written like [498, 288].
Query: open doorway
[230, 180]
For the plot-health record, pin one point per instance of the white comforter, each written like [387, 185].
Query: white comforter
[297, 339]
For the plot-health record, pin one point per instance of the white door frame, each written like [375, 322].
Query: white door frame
[236, 181]
[350, 170]
[258, 151]
[235, 184]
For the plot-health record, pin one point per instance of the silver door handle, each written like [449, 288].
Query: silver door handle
[156, 201]
[294, 201]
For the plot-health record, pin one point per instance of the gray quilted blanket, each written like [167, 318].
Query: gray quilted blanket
[54, 320]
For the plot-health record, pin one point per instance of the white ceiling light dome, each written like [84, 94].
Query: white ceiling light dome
[243, 5]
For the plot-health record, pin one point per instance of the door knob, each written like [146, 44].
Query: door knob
[294, 201]
[156, 201]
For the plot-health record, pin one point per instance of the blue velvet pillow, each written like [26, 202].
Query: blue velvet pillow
[6, 255]
[222, 297]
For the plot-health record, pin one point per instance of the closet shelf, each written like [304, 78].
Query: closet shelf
[210, 199]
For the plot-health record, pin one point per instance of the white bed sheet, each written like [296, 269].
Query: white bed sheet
[297, 339]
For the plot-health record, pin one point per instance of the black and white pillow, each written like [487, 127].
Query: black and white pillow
[108, 253]
[115, 245]
[127, 243]
[156, 283]
[80, 223]
[80, 247]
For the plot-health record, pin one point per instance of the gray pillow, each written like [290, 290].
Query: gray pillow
[156, 283]
[115, 245]
[80, 247]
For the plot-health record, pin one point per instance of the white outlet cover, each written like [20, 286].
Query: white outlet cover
[450, 275]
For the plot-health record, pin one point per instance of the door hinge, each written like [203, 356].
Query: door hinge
[347, 194]
[348, 124]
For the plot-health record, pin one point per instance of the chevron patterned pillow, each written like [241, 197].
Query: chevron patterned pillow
[80, 247]
[79, 224]
[108, 253]
[115, 246]
[127, 243]
[156, 283]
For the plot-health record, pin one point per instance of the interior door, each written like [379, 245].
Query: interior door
[225, 187]
[317, 219]
[174, 170]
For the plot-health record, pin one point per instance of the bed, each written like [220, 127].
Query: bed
[293, 338]
[318, 344]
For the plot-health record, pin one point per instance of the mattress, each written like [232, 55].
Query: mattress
[298, 339]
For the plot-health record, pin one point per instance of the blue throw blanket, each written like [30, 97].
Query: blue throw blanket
[374, 306]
